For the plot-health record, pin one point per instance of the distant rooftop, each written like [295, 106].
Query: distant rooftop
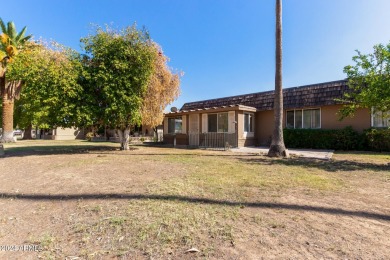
[314, 95]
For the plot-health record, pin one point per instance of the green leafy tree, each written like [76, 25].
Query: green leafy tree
[11, 43]
[369, 81]
[118, 65]
[277, 148]
[51, 89]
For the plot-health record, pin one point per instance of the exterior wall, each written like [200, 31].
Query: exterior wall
[249, 141]
[71, 133]
[329, 120]
[201, 123]
[240, 124]
[194, 123]
[165, 125]
[264, 125]
[147, 131]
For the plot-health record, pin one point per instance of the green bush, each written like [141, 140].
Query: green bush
[372, 139]
[342, 139]
[378, 139]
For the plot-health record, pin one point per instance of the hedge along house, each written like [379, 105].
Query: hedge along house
[247, 120]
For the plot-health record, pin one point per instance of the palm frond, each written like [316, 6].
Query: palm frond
[2, 25]
[12, 31]
[24, 40]
[20, 34]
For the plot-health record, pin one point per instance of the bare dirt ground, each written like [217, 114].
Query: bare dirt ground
[78, 200]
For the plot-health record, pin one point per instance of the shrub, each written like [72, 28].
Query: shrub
[89, 136]
[378, 139]
[342, 139]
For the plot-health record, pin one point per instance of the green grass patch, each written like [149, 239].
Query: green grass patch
[377, 157]
[227, 177]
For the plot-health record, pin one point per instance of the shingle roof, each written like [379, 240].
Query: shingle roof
[304, 96]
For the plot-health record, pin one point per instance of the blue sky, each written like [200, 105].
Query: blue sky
[224, 47]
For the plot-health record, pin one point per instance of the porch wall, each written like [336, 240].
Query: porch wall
[181, 139]
[249, 141]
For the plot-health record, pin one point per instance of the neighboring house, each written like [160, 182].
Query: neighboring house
[138, 133]
[248, 120]
[69, 133]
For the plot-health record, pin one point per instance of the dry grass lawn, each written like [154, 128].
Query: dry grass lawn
[80, 200]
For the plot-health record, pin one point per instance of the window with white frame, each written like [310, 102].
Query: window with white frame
[174, 125]
[380, 119]
[303, 118]
[248, 122]
[217, 123]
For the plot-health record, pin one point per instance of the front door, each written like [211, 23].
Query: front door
[194, 130]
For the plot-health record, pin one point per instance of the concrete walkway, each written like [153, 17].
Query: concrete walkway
[306, 153]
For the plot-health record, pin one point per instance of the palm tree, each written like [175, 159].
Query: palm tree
[11, 43]
[277, 148]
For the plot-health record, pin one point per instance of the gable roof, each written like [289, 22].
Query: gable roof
[315, 95]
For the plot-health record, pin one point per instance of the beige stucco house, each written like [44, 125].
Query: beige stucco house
[247, 120]
[59, 133]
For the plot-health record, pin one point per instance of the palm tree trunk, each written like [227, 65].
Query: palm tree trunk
[8, 119]
[278, 148]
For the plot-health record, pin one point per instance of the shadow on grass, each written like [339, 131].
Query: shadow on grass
[330, 166]
[20, 151]
[269, 205]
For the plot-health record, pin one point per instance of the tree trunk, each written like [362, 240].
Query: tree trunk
[155, 134]
[8, 120]
[278, 148]
[27, 133]
[124, 138]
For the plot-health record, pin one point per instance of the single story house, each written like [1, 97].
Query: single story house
[247, 120]
[59, 133]
[74, 133]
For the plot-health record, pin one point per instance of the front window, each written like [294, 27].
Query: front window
[380, 119]
[303, 118]
[174, 125]
[311, 118]
[217, 122]
[248, 122]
